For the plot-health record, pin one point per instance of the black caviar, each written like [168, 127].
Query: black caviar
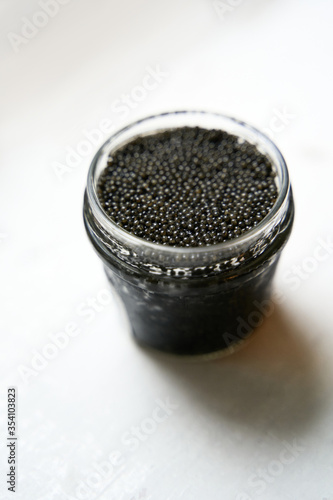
[190, 187]
[187, 187]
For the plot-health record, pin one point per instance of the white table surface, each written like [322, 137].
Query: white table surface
[258, 424]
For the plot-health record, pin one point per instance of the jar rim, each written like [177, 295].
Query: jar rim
[259, 139]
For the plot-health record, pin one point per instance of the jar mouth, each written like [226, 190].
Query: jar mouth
[172, 120]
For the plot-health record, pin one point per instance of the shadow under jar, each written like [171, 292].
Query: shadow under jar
[191, 300]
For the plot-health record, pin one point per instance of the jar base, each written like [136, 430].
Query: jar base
[197, 358]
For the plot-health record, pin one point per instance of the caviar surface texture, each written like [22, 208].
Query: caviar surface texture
[187, 187]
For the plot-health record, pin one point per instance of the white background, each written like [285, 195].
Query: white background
[232, 421]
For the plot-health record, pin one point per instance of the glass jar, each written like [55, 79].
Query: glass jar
[191, 301]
